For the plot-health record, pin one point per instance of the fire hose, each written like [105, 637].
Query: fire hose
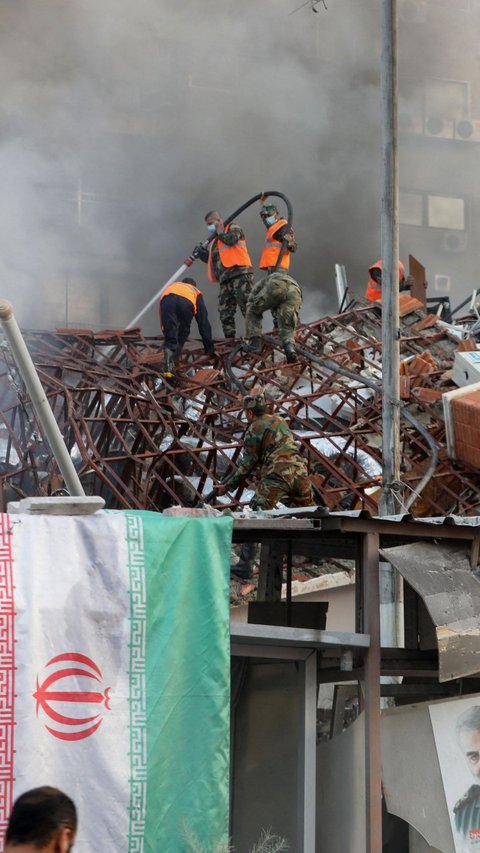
[189, 260]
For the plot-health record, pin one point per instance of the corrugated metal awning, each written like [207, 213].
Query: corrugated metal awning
[442, 576]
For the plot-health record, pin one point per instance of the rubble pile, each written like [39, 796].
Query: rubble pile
[142, 441]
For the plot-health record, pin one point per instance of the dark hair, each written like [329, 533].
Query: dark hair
[469, 720]
[37, 815]
[188, 280]
[210, 213]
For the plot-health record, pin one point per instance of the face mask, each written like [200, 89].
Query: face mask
[270, 220]
[211, 228]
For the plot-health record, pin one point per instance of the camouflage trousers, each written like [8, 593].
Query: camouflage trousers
[283, 297]
[233, 293]
[292, 488]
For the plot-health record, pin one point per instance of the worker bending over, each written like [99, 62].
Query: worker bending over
[278, 232]
[180, 302]
[271, 452]
[229, 264]
[282, 295]
[374, 287]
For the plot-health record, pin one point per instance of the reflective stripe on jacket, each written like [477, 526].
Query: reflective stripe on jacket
[230, 256]
[182, 288]
[272, 248]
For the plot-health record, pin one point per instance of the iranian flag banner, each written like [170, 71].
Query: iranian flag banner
[115, 674]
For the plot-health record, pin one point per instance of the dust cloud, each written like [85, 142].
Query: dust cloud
[123, 122]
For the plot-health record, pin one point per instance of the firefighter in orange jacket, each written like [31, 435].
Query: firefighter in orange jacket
[374, 287]
[229, 264]
[278, 231]
[180, 302]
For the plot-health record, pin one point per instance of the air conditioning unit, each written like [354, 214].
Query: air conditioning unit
[410, 123]
[454, 241]
[468, 129]
[441, 128]
[412, 11]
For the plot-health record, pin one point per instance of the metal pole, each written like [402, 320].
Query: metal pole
[40, 403]
[175, 277]
[390, 257]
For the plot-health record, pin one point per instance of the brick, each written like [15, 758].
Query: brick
[404, 387]
[466, 417]
[426, 395]
[426, 323]
[407, 304]
[420, 365]
[468, 345]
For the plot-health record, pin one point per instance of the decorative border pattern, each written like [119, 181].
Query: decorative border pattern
[138, 693]
[7, 672]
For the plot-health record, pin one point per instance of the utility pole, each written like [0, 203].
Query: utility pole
[390, 583]
[390, 256]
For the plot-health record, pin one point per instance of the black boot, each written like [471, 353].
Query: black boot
[255, 344]
[291, 353]
[168, 363]
[243, 569]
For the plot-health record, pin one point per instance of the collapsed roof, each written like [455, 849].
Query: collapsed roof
[142, 442]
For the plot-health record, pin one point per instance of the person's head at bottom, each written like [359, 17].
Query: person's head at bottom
[42, 819]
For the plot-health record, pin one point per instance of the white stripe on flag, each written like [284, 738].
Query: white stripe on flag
[79, 657]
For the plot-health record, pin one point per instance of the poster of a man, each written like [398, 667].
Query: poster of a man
[467, 808]
[456, 727]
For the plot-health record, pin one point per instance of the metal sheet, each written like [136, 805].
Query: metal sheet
[441, 575]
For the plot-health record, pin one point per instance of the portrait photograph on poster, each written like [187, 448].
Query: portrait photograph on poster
[456, 729]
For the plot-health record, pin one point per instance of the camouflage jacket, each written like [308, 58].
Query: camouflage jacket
[230, 238]
[269, 445]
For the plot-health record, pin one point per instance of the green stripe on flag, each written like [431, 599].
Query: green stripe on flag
[187, 565]
[137, 697]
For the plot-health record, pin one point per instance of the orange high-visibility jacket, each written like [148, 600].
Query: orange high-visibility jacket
[182, 288]
[230, 256]
[374, 290]
[272, 248]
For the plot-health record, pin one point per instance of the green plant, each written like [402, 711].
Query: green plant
[267, 843]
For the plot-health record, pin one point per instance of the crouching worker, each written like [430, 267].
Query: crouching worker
[271, 452]
[282, 295]
[180, 302]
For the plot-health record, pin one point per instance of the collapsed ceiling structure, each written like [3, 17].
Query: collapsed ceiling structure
[142, 442]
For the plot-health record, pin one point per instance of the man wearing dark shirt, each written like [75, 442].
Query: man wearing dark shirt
[180, 302]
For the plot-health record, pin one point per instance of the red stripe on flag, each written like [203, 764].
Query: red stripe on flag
[7, 671]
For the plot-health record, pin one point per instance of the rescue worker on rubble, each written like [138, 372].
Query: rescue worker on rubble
[374, 287]
[180, 302]
[282, 295]
[269, 450]
[278, 232]
[229, 264]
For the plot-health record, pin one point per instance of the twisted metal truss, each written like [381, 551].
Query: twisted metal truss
[142, 442]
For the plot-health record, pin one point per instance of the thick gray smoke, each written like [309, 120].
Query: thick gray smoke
[123, 122]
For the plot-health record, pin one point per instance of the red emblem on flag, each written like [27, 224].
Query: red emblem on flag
[75, 683]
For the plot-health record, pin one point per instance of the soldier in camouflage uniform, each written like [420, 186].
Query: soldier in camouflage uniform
[280, 293]
[467, 810]
[269, 446]
[235, 281]
[282, 476]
